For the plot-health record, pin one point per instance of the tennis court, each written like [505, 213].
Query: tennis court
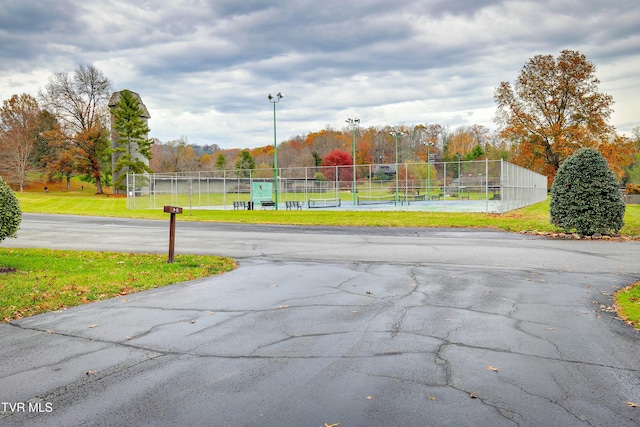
[470, 186]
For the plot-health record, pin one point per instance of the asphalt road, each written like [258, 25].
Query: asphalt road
[362, 327]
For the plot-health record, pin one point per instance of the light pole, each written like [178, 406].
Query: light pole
[354, 126]
[396, 134]
[274, 100]
[429, 145]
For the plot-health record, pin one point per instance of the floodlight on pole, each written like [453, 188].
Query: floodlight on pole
[274, 100]
[396, 134]
[354, 126]
[429, 145]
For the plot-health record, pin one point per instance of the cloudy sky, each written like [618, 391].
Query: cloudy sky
[204, 68]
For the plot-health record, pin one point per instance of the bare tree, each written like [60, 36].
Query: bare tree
[80, 104]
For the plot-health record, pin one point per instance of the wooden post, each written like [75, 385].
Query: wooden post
[173, 210]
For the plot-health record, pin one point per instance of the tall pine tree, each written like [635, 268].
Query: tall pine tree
[133, 148]
[245, 164]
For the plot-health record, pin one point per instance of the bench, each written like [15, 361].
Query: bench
[267, 203]
[239, 204]
[290, 204]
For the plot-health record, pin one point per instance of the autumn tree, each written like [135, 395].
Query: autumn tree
[633, 172]
[49, 131]
[429, 140]
[461, 143]
[131, 151]
[63, 162]
[173, 156]
[263, 156]
[19, 131]
[327, 140]
[341, 159]
[553, 109]
[79, 102]
[206, 162]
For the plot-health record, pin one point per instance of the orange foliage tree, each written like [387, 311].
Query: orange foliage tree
[461, 143]
[19, 131]
[554, 109]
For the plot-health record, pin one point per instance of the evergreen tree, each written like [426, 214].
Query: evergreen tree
[245, 164]
[133, 148]
[221, 162]
[10, 213]
[585, 195]
[477, 152]
[317, 158]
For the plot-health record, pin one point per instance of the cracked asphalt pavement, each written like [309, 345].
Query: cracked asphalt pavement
[319, 326]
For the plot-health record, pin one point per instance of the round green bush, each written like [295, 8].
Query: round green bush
[585, 197]
[10, 213]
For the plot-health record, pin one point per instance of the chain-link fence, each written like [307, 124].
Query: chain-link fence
[491, 186]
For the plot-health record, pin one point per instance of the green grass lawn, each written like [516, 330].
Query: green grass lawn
[82, 203]
[40, 280]
[81, 200]
[628, 304]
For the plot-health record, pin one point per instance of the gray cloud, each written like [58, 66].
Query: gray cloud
[204, 68]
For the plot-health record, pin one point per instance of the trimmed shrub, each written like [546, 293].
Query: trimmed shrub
[585, 197]
[10, 213]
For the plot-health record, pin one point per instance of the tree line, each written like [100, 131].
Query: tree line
[553, 109]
